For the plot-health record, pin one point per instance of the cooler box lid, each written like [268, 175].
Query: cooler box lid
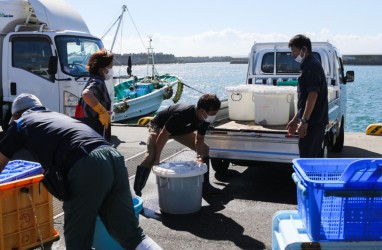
[179, 169]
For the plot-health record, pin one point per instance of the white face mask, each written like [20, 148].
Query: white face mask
[109, 74]
[299, 58]
[209, 118]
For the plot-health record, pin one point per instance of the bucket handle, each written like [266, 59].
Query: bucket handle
[235, 99]
[289, 98]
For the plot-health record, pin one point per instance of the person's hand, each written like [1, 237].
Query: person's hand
[199, 160]
[302, 130]
[292, 127]
[103, 115]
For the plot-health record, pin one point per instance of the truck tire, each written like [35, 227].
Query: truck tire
[338, 146]
[220, 165]
[324, 149]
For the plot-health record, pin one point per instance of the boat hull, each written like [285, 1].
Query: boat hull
[125, 109]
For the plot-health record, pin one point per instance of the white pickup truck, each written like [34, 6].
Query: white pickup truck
[245, 140]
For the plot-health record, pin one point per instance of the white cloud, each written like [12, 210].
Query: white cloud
[233, 42]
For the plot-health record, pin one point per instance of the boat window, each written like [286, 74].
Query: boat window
[74, 53]
[285, 63]
[32, 54]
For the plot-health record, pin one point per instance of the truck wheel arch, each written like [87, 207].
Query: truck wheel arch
[338, 146]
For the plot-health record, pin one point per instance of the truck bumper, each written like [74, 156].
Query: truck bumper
[253, 147]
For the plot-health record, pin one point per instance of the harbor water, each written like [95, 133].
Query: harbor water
[364, 106]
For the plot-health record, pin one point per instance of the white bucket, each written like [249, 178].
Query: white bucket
[241, 106]
[273, 105]
[180, 186]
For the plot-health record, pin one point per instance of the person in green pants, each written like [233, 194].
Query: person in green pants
[81, 168]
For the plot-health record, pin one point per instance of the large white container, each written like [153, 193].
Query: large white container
[273, 104]
[331, 93]
[180, 186]
[241, 106]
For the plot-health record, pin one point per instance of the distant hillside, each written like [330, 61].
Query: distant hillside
[160, 58]
[362, 59]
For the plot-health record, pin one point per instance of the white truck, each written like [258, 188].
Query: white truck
[250, 139]
[45, 46]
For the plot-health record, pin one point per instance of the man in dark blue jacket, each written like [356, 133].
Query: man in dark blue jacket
[312, 116]
[91, 173]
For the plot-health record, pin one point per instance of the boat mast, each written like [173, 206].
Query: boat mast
[119, 24]
[150, 58]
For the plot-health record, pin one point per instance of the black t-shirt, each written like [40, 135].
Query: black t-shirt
[313, 79]
[54, 139]
[180, 119]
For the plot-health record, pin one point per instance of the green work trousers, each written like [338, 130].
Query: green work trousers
[99, 185]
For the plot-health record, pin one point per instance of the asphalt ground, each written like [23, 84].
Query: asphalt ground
[239, 218]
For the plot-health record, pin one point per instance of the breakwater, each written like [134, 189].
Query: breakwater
[161, 58]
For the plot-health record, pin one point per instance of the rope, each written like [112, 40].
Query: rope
[193, 88]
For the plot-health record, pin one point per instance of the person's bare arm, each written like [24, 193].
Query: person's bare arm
[3, 161]
[160, 142]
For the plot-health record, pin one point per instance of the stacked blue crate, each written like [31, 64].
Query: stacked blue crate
[19, 169]
[340, 199]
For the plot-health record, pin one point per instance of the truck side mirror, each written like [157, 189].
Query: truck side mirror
[350, 76]
[52, 69]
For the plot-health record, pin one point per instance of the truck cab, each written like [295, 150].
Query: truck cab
[271, 64]
[45, 47]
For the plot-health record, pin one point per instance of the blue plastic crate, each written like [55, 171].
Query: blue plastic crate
[340, 199]
[19, 169]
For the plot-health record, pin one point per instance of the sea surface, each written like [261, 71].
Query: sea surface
[364, 98]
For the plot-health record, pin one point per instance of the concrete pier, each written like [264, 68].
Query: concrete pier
[239, 218]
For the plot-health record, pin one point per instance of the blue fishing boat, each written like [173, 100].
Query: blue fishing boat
[135, 96]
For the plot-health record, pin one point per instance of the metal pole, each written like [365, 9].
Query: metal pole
[119, 23]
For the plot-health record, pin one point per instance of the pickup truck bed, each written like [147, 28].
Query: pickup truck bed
[228, 124]
[242, 142]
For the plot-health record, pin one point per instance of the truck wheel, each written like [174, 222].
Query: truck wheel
[324, 149]
[220, 165]
[337, 147]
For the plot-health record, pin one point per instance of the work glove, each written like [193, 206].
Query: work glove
[103, 115]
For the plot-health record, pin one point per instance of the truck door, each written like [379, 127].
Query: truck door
[28, 62]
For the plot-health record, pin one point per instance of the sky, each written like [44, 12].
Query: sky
[231, 27]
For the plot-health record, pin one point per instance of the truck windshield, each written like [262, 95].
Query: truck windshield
[74, 53]
[285, 64]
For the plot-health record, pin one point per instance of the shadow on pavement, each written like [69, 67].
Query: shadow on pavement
[271, 183]
[354, 152]
[208, 224]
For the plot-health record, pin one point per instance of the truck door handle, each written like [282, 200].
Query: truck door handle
[13, 88]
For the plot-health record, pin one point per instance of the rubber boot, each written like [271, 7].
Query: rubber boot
[140, 180]
[148, 244]
[208, 189]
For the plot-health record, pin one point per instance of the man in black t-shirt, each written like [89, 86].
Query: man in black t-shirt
[312, 116]
[91, 172]
[186, 124]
